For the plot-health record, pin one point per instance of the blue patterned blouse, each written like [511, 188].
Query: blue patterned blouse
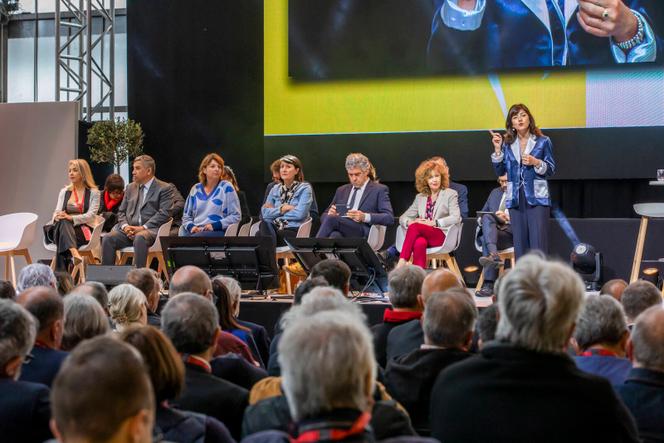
[221, 208]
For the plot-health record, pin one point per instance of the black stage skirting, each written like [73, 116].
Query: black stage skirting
[267, 313]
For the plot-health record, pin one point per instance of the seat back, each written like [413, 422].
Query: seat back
[231, 230]
[377, 236]
[163, 231]
[305, 228]
[253, 231]
[245, 229]
[17, 231]
[452, 240]
[95, 238]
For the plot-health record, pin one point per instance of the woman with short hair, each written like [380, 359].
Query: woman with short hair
[84, 318]
[127, 306]
[212, 204]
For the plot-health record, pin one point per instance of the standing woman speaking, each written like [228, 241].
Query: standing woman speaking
[526, 156]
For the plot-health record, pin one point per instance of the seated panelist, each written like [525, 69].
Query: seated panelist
[435, 207]
[288, 204]
[212, 204]
[75, 215]
[145, 207]
[357, 205]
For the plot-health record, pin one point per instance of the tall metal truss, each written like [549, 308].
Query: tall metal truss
[80, 57]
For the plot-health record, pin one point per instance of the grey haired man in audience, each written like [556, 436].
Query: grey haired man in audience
[637, 297]
[528, 386]
[36, 274]
[643, 391]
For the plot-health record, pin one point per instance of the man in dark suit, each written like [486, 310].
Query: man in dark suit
[146, 206]
[643, 391]
[366, 201]
[448, 323]
[24, 407]
[495, 235]
[46, 305]
[405, 286]
[408, 337]
[192, 324]
[530, 389]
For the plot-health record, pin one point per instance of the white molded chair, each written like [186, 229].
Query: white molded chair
[376, 236]
[232, 230]
[253, 229]
[153, 252]
[244, 229]
[90, 252]
[504, 254]
[17, 232]
[442, 252]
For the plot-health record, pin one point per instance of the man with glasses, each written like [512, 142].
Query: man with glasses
[495, 234]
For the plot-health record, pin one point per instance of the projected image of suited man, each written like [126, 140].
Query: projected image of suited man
[480, 35]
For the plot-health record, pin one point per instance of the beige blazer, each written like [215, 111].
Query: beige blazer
[446, 211]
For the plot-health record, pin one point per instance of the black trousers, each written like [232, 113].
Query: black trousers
[65, 237]
[268, 229]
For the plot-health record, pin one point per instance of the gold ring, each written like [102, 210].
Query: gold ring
[605, 14]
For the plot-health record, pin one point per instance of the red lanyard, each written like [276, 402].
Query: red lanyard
[41, 344]
[601, 352]
[197, 361]
[336, 434]
[76, 202]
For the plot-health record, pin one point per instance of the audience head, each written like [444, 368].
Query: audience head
[614, 288]
[211, 168]
[190, 279]
[539, 303]
[275, 170]
[7, 290]
[17, 336]
[449, 319]
[101, 394]
[438, 281]
[143, 169]
[487, 323]
[65, 282]
[601, 322]
[290, 168]
[114, 186]
[335, 272]
[425, 172]
[127, 306]
[79, 172]
[306, 286]
[359, 169]
[228, 307]
[327, 362]
[322, 298]
[191, 323]
[229, 175]
[405, 285]
[97, 291]
[84, 319]
[234, 292]
[164, 365]
[45, 305]
[36, 274]
[647, 341]
[639, 296]
[147, 281]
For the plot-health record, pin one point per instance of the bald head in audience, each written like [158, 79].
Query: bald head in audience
[439, 280]
[46, 305]
[614, 288]
[190, 279]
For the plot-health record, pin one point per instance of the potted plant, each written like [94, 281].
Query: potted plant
[115, 141]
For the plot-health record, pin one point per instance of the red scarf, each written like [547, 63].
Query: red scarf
[335, 434]
[391, 316]
[109, 202]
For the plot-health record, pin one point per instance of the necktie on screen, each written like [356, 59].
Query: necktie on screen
[351, 204]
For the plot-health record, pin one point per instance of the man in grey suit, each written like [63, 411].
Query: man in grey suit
[145, 207]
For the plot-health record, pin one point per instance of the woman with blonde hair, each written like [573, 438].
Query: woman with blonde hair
[435, 207]
[127, 307]
[75, 215]
[212, 204]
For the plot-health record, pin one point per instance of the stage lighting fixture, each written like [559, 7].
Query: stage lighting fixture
[651, 275]
[588, 264]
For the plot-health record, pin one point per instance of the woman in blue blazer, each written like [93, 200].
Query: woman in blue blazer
[288, 203]
[526, 156]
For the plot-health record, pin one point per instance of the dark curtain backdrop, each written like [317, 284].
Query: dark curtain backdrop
[195, 71]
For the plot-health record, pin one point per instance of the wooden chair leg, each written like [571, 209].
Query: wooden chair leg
[162, 270]
[13, 268]
[26, 254]
[480, 282]
[7, 271]
[638, 252]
